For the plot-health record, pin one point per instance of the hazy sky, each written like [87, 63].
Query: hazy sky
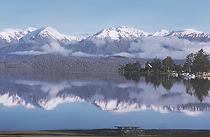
[89, 16]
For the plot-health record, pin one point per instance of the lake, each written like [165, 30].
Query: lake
[87, 101]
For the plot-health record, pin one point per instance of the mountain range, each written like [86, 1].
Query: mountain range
[114, 41]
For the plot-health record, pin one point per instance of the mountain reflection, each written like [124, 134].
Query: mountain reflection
[157, 93]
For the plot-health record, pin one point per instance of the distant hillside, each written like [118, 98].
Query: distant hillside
[60, 65]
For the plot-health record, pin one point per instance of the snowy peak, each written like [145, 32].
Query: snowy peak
[191, 31]
[129, 33]
[121, 32]
[191, 34]
[42, 33]
[47, 35]
[115, 41]
[186, 32]
[48, 32]
[12, 36]
[161, 33]
[30, 29]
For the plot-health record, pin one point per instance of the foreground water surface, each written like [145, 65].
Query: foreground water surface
[87, 102]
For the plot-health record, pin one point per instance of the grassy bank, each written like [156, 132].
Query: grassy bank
[109, 133]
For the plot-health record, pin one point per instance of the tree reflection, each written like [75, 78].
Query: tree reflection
[167, 82]
[132, 76]
[155, 79]
[196, 87]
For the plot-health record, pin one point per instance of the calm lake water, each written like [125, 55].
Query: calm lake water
[85, 103]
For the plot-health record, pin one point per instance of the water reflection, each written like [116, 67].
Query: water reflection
[194, 87]
[147, 92]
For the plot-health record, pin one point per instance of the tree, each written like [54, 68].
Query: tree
[168, 64]
[156, 64]
[131, 71]
[201, 62]
[189, 62]
[131, 67]
[178, 68]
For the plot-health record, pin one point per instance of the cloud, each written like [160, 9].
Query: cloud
[52, 48]
[83, 54]
[161, 47]
[30, 52]
[55, 48]
[148, 47]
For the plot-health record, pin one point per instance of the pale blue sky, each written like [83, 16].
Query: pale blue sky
[89, 16]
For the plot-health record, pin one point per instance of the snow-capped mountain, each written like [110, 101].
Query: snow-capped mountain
[130, 42]
[12, 36]
[161, 33]
[191, 34]
[47, 35]
[109, 41]
[118, 33]
[113, 41]
[123, 32]
[39, 36]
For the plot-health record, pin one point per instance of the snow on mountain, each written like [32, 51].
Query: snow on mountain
[47, 35]
[129, 33]
[117, 33]
[12, 36]
[161, 33]
[113, 41]
[109, 41]
[186, 32]
[191, 34]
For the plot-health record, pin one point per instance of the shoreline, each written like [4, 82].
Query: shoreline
[110, 133]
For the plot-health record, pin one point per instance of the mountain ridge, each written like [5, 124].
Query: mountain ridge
[111, 32]
[121, 41]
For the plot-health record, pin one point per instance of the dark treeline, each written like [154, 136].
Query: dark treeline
[197, 63]
[194, 63]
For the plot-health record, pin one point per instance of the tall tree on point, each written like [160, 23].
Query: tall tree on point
[201, 62]
[168, 64]
[156, 64]
[189, 62]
